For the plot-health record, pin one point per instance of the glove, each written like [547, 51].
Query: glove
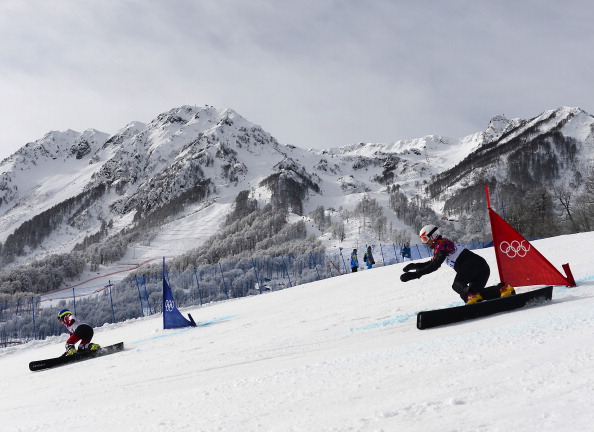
[409, 267]
[405, 277]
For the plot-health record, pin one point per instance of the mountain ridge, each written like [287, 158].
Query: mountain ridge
[195, 158]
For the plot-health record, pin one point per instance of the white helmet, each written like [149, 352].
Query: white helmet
[429, 232]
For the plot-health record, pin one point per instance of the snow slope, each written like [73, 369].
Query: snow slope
[341, 354]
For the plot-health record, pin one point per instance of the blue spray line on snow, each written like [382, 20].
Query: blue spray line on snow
[398, 319]
[198, 324]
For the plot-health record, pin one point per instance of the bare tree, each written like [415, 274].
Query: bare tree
[565, 196]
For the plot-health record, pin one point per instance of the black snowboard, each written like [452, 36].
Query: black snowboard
[59, 361]
[439, 317]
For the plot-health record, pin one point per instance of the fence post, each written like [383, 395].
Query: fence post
[140, 295]
[224, 283]
[198, 285]
[109, 285]
[343, 263]
[257, 276]
[33, 314]
[313, 261]
[148, 302]
[74, 301]
[287, 270]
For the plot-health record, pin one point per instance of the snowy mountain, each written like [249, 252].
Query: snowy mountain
[70, 190]
[555, 148]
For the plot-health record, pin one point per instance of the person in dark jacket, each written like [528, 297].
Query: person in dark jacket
[405, 252]
[472, 271]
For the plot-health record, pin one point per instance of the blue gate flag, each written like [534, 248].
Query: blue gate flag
[172, 317]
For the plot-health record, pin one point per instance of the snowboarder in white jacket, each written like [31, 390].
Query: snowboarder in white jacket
[472, 271]
[79, 331]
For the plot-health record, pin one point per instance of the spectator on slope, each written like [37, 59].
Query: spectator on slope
[368, 258]
[354, 261]
[405, 252]
[79, 331]
[472, 271]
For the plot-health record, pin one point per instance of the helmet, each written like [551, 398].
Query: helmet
[429, 232]
[63, 313]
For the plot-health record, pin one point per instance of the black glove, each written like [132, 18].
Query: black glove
[405, 277]
[409, 267]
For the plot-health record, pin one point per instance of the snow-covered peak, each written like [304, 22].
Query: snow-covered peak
[496, 127]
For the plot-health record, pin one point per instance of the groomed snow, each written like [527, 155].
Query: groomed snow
[341, 354]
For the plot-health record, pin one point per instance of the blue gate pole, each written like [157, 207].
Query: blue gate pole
[74, 301]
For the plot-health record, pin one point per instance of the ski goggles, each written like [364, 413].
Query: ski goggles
[424, 239]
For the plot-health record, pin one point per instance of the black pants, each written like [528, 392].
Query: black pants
[472, 274]
[84, 332]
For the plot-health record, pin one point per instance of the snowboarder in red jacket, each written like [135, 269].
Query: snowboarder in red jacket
[472, 271]
[79, 331]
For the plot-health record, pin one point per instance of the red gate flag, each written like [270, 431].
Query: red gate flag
[518, 261]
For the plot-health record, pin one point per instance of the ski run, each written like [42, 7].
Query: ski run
[342, 354]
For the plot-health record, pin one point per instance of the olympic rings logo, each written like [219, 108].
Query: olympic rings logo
[515, 248]
[169, 305]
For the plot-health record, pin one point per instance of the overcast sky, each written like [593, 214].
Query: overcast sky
[315, 74]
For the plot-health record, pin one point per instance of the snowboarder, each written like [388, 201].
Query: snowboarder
[405, 252]
[472, 271]
[368, 258]
[79, 331]
[354, 261]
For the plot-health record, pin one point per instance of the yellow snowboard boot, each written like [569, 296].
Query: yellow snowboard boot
[506, 290]
[472, 298]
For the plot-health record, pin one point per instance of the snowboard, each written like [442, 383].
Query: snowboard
[38, 365]
[439, 317]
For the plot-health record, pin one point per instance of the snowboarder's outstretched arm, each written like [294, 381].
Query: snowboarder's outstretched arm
[421, 269]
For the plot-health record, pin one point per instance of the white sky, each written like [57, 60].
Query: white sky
[313, 73]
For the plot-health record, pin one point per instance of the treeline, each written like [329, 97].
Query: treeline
[374, 217]
[32, 232]
[543, 211]
[42, 276]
